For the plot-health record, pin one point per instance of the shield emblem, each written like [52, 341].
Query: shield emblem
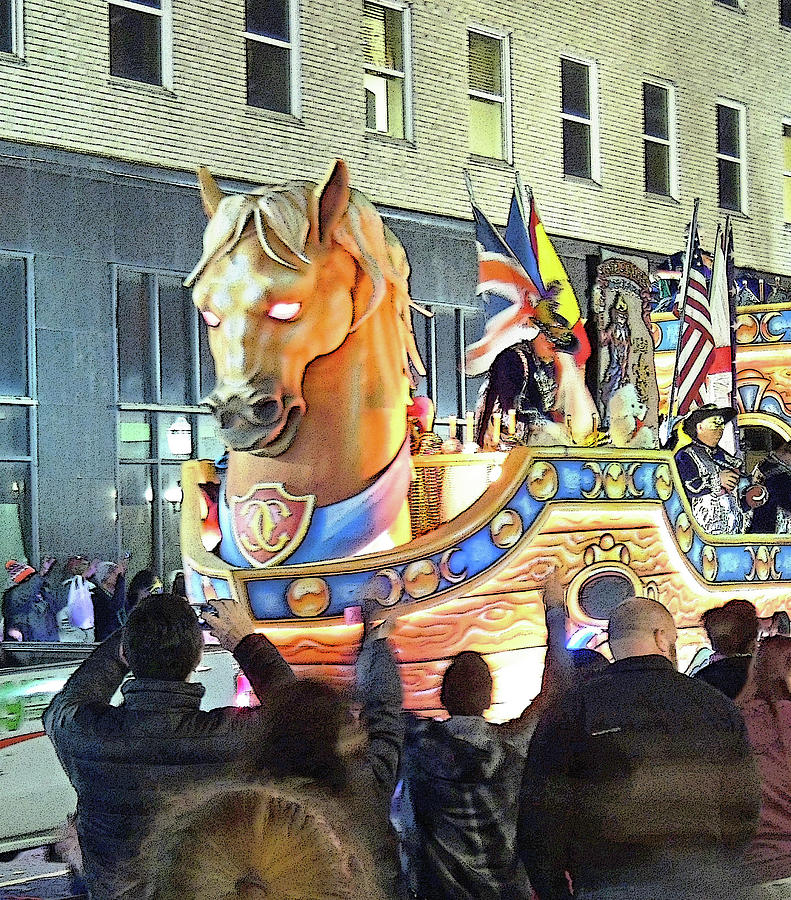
[269, 523]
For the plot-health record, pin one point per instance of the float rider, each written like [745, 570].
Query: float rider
[710, 473]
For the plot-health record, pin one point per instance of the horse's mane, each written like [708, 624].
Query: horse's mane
[285, 211]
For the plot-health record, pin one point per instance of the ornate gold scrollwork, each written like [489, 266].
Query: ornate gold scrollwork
[606, 549]
[598, 480]
[631, 487]
[396, 586]
[615, 481]
[445, 570]
[766, 333]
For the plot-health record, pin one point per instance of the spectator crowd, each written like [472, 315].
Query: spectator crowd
[83, 603]
[622, 780]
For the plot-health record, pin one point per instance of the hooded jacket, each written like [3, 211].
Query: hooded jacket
[459, 804]
[31, 608]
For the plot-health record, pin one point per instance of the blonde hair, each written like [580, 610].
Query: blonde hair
[243, 840]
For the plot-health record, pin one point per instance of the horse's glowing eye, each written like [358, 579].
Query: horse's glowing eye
[284, 312]
[210, 318]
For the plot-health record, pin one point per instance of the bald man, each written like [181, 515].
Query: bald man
[639, 782]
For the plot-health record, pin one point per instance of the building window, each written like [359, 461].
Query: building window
[270, 30]
[441, 341]
[18, 454]
[580, 119]
[490, 117]
[659, 139]
[140, 40]
[164, 368]
[387, 89]
[785, 13]
[730, 156]
[787, 171]
[11, 26]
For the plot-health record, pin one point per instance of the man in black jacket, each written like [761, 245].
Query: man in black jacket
[639, 783]
[122, 759]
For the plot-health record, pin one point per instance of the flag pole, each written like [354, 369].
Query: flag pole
[729, 279]
[468, 182]
[521, 193]
[671, 413]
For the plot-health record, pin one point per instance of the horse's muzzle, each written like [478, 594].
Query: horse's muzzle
[265, 424]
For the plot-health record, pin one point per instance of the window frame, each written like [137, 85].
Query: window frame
[30, 401]
[294, 59]
[17, 29]
[785, 123]
[504, 38]
[672, 141]
[593, 122]
[462, 314]
[406, 44]
[155, 462]
[741, 160]
[165, 16]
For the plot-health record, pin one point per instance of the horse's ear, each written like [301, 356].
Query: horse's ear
[333, 201]
[210, 192]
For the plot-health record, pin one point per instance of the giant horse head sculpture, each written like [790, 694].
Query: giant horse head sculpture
[287, 275]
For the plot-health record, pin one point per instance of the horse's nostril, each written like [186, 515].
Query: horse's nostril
[266, 411]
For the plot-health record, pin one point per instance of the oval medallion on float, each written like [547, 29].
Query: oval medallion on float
[615, 481]
[308, 596]
[710, 563]
[542, 480]
[684, 533]
[506, 528]
[421, 578]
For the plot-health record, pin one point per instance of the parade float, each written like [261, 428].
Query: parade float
[338, 492]
[319, 506]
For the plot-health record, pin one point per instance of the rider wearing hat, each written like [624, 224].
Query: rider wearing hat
[711, 474]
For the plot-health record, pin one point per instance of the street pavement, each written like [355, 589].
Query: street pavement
[31, 876]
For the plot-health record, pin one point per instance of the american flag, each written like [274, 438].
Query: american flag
[696, 348]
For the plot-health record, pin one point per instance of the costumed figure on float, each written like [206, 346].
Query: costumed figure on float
[534, 347]
[711, 474]
[774, 474]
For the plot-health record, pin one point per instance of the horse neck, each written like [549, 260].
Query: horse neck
[359, 393]
[355, 422]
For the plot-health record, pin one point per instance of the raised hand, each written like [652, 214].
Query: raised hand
[230, 622]
[554, 595]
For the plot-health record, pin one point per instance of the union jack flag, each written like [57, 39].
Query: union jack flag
[510, 296]
[697, 345]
